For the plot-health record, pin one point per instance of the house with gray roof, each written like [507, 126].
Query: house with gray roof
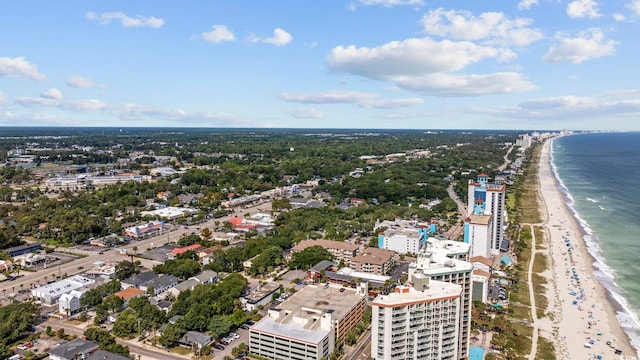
[107, 355]
[159, 284]
[196, 338]
[136, 279]
[76, 349]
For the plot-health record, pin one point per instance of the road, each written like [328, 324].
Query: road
[363, 350]
[146, 352]
[81, 264]
[456, 229]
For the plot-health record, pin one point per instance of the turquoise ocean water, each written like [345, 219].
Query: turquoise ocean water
[600, 177]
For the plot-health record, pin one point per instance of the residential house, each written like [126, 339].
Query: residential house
[106, 355]
[137, 279]
[76, 349]
[175, 252]
[195, 338]
[159, 284]
[129, 293]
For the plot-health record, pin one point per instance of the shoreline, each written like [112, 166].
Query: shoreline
[585, 322]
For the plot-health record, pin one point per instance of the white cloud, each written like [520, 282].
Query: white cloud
[619, 17]
[566, 108]
[444, 84]
[3, 99]
[526, 4]
[329, 97]
[390, 3]
[305, 113]
[218, 34]
[404, 63]
[19, 67]
[81, 82]
[52, 93]
[583, 9]
[586, 45]
[126, 21]
[490, 27]
[361, 99]
[280, 38]
[634, 6]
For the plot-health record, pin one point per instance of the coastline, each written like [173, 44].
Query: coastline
[585, 324]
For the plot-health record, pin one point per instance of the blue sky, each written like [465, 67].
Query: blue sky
[521, 64]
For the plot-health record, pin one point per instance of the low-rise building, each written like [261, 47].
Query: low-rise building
[194, 338]
[373, 260]
[149, 229]
[169, 213]
[341, 251]
[159, 284]
[106, 355]
[259, 296]
[136, 279]
[51, 293]
[128, 294]
[76, 349]
[69, 304]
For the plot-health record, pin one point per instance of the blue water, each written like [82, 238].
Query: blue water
[600, 175]
[476, 352]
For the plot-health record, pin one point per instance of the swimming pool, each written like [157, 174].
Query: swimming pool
[476, 353]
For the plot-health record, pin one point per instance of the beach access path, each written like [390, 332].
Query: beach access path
[584, 318]
[532, 298]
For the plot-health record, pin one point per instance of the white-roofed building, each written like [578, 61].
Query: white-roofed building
[417, 322]
[308, 324]
[51, 293]
[70, 303]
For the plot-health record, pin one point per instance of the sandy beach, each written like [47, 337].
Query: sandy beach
[584, 318]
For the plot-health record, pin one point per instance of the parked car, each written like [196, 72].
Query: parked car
[234, 335]
[218, 346]
[244, 326]
[223, 342]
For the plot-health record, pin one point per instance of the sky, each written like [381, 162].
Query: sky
[374, 64]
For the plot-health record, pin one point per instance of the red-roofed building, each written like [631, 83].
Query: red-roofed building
[129, 293]
[182, 250]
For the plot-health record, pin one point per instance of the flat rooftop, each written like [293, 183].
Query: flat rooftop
[437, 290]
[319, 298]
[299, 315]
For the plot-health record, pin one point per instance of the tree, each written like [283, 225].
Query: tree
[240, 350]
[309, 257]
[171, 334]
[125, 269]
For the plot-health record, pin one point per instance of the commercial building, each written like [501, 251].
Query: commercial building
[437, 264]
[150, 229]
[418, 321]
[259, 296]
[22, 249]
[169, 213]
[492, 198]
[51, 293]
[341, 251]
[309, 323]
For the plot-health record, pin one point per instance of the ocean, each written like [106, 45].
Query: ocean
[599, 174]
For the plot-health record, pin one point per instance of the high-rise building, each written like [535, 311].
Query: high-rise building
[492, 198]
[417, 321]
[439, 263]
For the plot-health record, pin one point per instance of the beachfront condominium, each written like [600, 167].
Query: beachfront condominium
[437, 264]
[420, 320]
[492, 197]
[309, 323]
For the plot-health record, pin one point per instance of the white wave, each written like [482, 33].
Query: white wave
[592, 200]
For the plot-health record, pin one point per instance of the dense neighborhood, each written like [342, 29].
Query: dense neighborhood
[266, 245]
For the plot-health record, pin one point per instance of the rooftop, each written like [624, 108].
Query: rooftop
[480, 219]
[376, 256]
[129, 293]
[319, 298]
[76, 346]
[106, 355]
[327, 244]
[406, 295]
